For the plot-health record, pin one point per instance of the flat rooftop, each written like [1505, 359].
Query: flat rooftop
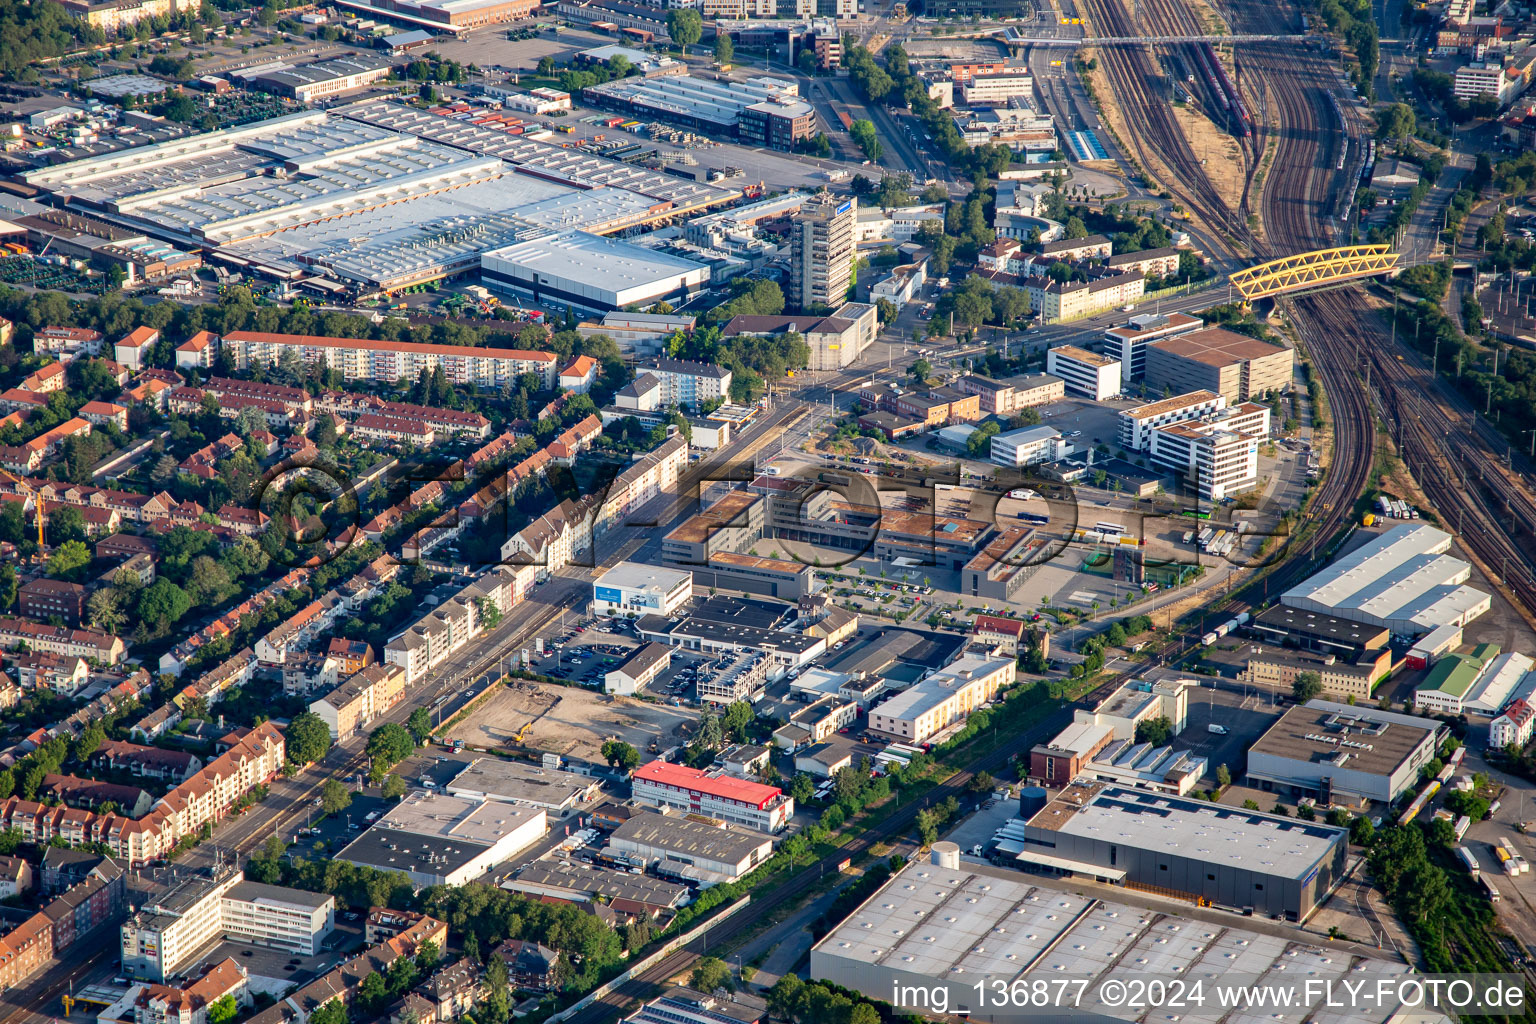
[1403, 574]
[742, 635]
[639, 576]
[915, 700]
[514, 780]
[983, 923]
[452, 817]
[1167, 405]
[1144, 325]
[1216, 834]
[1378, 742]
[389, 850]
[595, 260]
[694, 838]
[780, 566]
[564, 878]
[728, 511]
[1082, 355]
[277, 895]
[1216, 346]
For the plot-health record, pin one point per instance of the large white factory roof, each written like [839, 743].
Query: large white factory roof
[376, 193]
[975, 924]
[719, 102]
[1402, 580]
[610, 264]
[583, 170]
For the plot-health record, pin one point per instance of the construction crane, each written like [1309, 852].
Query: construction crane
[37, 502]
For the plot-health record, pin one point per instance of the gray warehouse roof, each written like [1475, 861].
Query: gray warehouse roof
[680, 835]
[1368, 740]
[513, 780]
[607, 263]
[1231, 836]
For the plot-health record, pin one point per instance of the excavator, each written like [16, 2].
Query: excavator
[37, 502]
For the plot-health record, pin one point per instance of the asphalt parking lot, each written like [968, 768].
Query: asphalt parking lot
[1245, 716]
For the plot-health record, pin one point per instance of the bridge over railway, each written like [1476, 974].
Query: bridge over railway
[1306, 271]
[1015, 39]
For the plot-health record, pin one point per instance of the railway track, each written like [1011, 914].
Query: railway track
[1450, 449]
[1131, 71]
[1302, 165]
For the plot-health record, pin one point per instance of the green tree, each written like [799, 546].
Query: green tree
[725, 50]
[1396, 122]
[394, 788]
[1223, 776]
[68, 560]
[331, 1013]
[162, 603]
[737, 720]
[307, 738]
[1154, 731]
[420, 726]
[1306, 686]
[801, 788]
[427, 956]
[1361, 831]
[334, 796]
[710, 974]
[685, 26]
[223, 1009]
[389, 744]
[497, 1006]
[621, 755]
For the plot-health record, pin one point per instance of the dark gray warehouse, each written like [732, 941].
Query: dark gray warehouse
[1187, 848]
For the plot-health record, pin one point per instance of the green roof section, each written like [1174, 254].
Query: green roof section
[1454, 674]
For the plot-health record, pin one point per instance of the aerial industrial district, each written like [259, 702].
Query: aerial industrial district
[766, 511]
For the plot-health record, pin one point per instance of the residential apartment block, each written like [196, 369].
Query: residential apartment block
[253, 758]
[1004, 397]
[360, 359]
[948, 696]
[687, 383]
[361, 698]
[449, 626]
[96, 900]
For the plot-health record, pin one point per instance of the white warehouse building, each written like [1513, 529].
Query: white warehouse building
[592, 272]
[631, 588]
[1402, 580]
